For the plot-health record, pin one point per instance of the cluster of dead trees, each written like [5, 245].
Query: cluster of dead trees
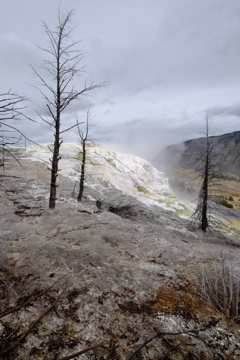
[63, 64]
[63, 69]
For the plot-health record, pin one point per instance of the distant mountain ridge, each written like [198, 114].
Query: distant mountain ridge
[188, 154]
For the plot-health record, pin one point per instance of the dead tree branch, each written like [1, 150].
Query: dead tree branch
[161, 334]
[11, 110]
[11, 347]
[82, 352]
[231, 352]
[11, 310]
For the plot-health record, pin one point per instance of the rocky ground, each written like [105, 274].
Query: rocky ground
[120, 280]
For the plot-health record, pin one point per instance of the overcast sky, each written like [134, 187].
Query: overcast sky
[168, 62]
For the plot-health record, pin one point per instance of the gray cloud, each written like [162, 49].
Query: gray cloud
[168, 63]
[233, 110]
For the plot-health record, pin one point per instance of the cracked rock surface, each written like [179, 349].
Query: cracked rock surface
[127, 271]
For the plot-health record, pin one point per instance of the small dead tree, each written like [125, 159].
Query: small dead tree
[11, 110]
[84, 137]
[221, 284]
[202, 213]
[63, 66]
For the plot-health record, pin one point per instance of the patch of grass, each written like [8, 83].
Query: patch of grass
[179, 302]
[225, 203]
[184, 301]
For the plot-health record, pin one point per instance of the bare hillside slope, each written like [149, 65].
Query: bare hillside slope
[188, 154]
[76, 278]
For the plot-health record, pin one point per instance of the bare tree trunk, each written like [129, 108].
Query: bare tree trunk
[84, 138]
[204, 219]
[202, 211]
[54, 174]
[57, 142]
[82, 177]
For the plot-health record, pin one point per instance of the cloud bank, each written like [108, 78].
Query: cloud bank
[168, 64]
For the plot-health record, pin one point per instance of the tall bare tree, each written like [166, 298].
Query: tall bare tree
[63, 65]
[84, 138]
[202, 212]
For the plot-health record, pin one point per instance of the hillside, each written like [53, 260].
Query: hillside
[183, 164]
[188, 154]
[112, 283]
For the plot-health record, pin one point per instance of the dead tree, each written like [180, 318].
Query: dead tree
[62, 63]
[202, 213]
[11, 111]
[84, 138]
